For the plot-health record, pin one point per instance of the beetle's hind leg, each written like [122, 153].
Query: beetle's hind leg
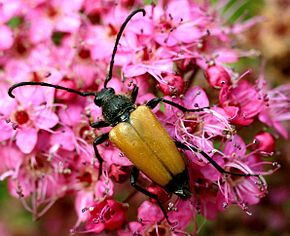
[133, 180]
[210, 160]
[155, 101]
[102, 138]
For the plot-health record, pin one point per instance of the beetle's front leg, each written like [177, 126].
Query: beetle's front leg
[210, 160]
[155, 101]
[102, 138]
[99, 124]
[134, 93]
[133, 180]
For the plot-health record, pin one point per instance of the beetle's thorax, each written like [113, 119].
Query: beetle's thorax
[115, 108]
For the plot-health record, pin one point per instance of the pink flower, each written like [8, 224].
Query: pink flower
[240, 102]
[243, 190]
[28, 115]
[181, 22]
[35, 179]
[54, 16]
[276, 109]
[105, 215]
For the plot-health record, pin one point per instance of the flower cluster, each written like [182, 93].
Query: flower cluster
[46, 141]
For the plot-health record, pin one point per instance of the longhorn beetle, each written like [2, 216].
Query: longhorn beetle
[139, 135]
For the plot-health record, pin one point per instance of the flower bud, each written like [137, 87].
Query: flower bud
[174, 85]
[64, 95]
[217, 76]
[265, 142]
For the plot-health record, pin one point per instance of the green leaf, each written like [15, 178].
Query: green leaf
[149, 2]
[57, 37]
[15, 21]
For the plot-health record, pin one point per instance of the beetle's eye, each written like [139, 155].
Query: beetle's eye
[98, 100]
[110, 91]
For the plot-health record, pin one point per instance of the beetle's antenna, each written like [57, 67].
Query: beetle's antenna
[109, 75]
[84, 94]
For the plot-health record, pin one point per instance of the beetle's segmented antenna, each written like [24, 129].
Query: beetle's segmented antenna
[109, 75]
[84, 94]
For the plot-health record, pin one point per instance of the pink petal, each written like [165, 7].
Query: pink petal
[65, 138]
[134, 70]
[6, 39]
[149, 212]
[40, 29]
[26, 139]
[195, 96]
[28, 95]
[68, 23]
[72, 115]
[235, 145]
[46, 119]
[6, 130]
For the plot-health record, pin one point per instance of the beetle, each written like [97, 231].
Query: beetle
[139, 135]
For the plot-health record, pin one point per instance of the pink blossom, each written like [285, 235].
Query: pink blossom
[54, 16]
[35, 182]
[241, 103]
[107, 214]
[28, 116]
[243, 190]
[276, 108]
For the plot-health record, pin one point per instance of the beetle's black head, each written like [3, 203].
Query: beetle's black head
[104, 95]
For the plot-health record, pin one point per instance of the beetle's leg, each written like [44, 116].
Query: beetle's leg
[96, 124]
[182, 108]
[134, 93]
[99, 124]
[210, 160]
[102, 138]
[154, 102]
[133, 180]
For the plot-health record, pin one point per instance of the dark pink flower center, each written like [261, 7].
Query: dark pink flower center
[51, 12]
[20, 47]
[94, 17]
[86, 178]
[21, 117]
[112, 30]
[161, 230]
[145, 56]
[84, 53]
